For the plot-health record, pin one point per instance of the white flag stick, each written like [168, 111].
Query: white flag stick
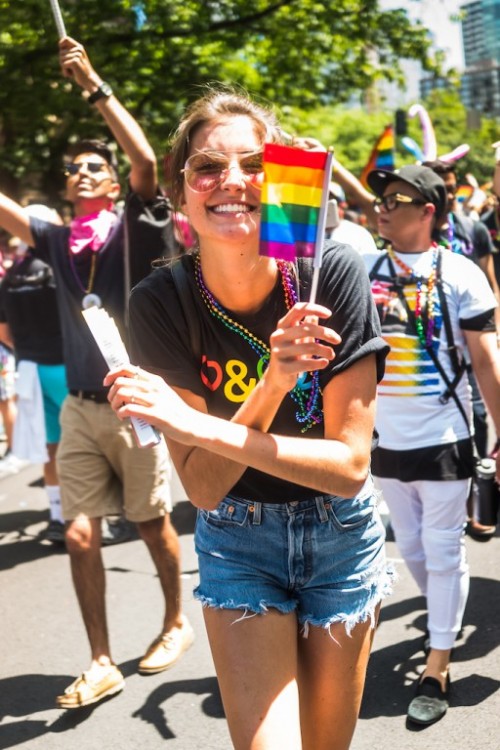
[320, 237]
[56, 10]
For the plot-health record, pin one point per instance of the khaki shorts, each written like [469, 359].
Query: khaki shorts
[103, 472]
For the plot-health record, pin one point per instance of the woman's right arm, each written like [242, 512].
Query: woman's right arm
[295, 347]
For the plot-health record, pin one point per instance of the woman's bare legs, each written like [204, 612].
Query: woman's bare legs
[332, 670]
[262, 660]
[256, 664]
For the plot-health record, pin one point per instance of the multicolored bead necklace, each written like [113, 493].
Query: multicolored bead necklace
[309, 412]
[425, 336]
[464, 247]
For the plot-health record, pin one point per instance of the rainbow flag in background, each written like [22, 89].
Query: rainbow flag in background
[291, 201]
[382, 155]
[464, 192]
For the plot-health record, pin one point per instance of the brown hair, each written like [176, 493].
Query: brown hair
[216, 104]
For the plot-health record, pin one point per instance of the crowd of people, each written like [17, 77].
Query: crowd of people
[274, 411]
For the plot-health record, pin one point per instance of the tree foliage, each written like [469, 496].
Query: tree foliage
[353, 133]
[157, 54]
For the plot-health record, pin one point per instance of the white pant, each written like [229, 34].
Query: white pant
[428, 519]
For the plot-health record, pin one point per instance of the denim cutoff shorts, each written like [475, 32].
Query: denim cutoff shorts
[323, 558]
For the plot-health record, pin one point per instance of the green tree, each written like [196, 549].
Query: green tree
[291, 53]
[449, 117]
[353, 133]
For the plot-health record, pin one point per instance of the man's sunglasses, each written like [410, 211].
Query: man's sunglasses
[93, 167]
[392, 201]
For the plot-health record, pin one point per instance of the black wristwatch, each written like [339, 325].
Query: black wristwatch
[102, 92]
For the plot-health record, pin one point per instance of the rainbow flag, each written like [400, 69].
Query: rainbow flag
[464, 192]
[293, 201]
[382, 155]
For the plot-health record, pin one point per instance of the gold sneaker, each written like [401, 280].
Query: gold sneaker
[86, 689]
[165, 650]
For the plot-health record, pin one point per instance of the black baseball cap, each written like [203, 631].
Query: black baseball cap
[430, 185]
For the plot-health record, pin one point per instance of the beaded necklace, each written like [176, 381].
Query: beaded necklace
[464, 247]
[308, 411]
[90, 280]
[424, 336]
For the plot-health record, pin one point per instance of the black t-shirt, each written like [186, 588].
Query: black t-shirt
[146, 225]
[467, 237]
[491, 221]
[28, 304]
[207, 358]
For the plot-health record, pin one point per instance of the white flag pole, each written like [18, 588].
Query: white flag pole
[56, 10]
[320, 237]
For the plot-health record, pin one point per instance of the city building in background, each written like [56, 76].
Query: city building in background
[481, 40]
[480, 80]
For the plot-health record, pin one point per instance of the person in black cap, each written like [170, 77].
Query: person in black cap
[463, 235]
[432, 304]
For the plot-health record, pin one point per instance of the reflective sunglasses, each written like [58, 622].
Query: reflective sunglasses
[91, 166]
[392, 201]
[205, 171]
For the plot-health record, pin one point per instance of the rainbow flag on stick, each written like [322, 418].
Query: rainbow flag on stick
[382, 155]
[293, 202]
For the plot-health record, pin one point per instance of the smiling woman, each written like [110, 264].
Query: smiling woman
[268, 415]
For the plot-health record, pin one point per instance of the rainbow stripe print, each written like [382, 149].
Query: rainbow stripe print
[409, 369]
[291, 199]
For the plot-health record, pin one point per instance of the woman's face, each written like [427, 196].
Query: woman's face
[230, 211]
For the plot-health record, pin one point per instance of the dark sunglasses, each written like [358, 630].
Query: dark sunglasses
[392, 201]
[91, 166]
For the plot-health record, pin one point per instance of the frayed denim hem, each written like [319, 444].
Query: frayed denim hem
[249, 610]
[381, 590]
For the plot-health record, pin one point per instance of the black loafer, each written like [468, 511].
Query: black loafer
[430, 703]
[426, 643]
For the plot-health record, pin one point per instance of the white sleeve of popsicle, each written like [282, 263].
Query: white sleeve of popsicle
[112, 348]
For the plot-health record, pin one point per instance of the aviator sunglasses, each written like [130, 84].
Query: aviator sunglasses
[392, 201]
[205, 171]
[91, 166]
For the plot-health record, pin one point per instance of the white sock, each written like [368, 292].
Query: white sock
[54, 493]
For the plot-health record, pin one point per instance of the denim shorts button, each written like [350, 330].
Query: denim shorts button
[230, 509]
[251, 508]
[328, 506]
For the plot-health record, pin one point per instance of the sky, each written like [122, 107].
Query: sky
[435, 15]
[447, 36]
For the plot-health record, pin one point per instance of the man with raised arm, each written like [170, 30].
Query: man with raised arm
[101, 469]
[433, 304]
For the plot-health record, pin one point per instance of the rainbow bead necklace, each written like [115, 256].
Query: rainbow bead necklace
[309, 412]
[424, 335]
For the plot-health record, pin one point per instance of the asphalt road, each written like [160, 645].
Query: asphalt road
[43, 647]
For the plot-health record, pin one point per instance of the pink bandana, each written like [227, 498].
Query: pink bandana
[91, 230]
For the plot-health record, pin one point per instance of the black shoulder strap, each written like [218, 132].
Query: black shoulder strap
[458, 366]
[180, 276]
[373, 273]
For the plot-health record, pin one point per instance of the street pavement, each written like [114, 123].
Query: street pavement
[43, 647]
